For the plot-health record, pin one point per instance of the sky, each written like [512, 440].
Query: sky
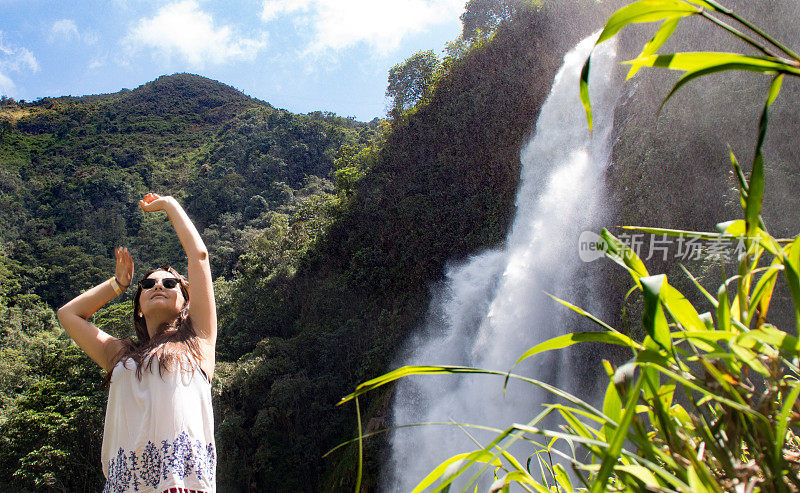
[300, 55]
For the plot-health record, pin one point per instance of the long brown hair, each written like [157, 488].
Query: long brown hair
[173, 348]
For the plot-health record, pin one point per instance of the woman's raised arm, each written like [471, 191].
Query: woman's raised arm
[73, 316]
[202, 307]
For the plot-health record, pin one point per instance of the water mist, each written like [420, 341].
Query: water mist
[493, 307]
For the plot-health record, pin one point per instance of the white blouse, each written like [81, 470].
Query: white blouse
[159, 433]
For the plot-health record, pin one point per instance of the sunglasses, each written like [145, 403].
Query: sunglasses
[167, 282]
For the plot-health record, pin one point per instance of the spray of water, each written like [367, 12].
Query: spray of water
[493, 307]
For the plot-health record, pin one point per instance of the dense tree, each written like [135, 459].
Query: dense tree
[412, 80]
[481, 17]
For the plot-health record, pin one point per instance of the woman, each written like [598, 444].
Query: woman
[159, 425]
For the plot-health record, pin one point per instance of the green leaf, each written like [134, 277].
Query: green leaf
[681, 309]
[733, 228]
[567, 340]
[700, 64]
[654, 320]
[645, 11]
[703, 235]
[762, 293]
[360, 449]
[693, 62]
[787, 344]
[749, 358]
[584, 92]
[612, 407]
[563, 478]
[623, 255]
[615, 444]
[783, 419]
[740, 178]
[756, 185]
[643, 474]
[694, 280]
[662, 35]
[723, 309]
[524, 478]
[586, 314]
[791, 271]
[438, 472]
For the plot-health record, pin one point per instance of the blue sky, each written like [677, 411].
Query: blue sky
[301, 55]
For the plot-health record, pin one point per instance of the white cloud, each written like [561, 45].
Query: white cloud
[181, 29]
[67, 30]
[14, 59]
[382, 24]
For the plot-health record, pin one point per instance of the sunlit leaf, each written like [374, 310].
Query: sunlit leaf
[441, 469]
[641, 473]
[623, 255]
[652, 46]
[791, 272]
[783, 418]
[645, 11]
[618, 439]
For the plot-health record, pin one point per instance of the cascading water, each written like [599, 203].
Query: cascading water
[493, 307]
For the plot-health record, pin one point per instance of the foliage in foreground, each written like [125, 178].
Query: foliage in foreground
[708, 402]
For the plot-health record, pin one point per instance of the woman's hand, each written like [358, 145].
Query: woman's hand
[154, 202]
[124, 271]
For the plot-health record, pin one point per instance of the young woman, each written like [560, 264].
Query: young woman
[159, 425]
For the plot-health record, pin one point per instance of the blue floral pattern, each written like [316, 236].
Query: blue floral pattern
[182, 457]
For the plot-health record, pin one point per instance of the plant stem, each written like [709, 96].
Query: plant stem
[738, 34]
[730, 13]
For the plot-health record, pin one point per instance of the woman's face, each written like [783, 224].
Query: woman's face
[159, 302]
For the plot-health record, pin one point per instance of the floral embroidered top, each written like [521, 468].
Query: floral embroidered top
[159, 432]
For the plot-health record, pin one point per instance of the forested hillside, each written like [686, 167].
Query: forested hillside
[72, 172]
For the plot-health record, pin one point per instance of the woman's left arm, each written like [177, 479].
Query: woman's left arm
[202, 307]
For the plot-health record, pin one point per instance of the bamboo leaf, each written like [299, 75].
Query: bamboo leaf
[584, 91]
[762, 293]
[723, 309]
[524, 478]
[645, 11]
[787, 344]
[563, 478]
[439, 471]
[703, 235]
[612, 407]
[737, 168]
[662, 35]
[681, 309]
[623, 255]
[567, 340]
[714, 61]
[586, 314]
[694, 280]
[641, 473]
[756, 185]
[615, 444]
[749, 358]
[791, 271]
[783, 419]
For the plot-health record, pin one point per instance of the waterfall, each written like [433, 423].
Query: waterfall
[493, 307]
